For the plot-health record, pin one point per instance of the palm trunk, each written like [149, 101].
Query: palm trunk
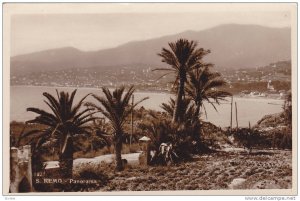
[66, 158]
[118, 150]
[177, 115]
[197, 133]
[197, 112]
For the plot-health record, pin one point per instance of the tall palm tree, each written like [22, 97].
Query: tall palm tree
[203, 86]
[116, 108]
[182, 57]
[63, 122]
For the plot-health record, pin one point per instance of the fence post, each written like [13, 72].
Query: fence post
[236, 116]
[131, 120]
[231, 114]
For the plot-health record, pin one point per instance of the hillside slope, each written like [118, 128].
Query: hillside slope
[232, 46]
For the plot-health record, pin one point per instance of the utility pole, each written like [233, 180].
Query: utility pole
[131, 119]
[231, 114]
[236, 116]
[94, 130]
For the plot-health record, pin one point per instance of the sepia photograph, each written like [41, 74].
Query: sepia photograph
[133, 98]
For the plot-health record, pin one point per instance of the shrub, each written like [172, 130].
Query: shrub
[287, 107]
[282, 138]
[248, 138]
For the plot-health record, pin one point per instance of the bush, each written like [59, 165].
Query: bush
[186, 138]
[212, 136]
[180, 139]
[281, 138]
[249, 138]
[287, 107]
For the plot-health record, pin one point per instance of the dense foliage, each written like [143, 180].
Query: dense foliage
[65, 121]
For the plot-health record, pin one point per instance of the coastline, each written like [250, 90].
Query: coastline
[249, 108]
[92, 88]
[236, 96]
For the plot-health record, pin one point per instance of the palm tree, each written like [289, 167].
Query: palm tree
[183, 57]
[63, 122]
[203, 86]
[189, 127]
[187, 107]
[116, 108]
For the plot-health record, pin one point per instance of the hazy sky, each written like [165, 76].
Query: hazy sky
[35, 32]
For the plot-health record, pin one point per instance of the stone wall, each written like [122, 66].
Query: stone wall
[20, 170]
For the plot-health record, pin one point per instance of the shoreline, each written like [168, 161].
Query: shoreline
[18, 113]
[147, 91]
[91, 88]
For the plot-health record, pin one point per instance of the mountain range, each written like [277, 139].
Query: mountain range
[231, 45]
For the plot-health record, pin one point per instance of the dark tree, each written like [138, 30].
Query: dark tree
[63, 122]
[116, 108]
[204, 85]
[183, 56]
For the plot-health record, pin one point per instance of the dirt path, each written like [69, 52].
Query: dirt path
[131, 159]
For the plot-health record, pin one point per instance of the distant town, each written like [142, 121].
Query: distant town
[273, 80]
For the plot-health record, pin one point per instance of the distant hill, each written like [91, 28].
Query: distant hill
[232, 46]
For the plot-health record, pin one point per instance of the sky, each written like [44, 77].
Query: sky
[111, 25]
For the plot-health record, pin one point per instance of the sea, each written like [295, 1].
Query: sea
[247, 109]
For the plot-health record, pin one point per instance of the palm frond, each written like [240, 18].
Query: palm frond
[214, 83]
[77, 116]
[211, 103]
[54, 103]
[78, 105]
[169, 57]
[125, 101]
[163, 76]
[86, 120]
[169, 109]
[79, 120]
[163, 69]
[55, 112]
[205, 112]
[29, 133]
[72, 97]
[41, 120]
[42, 113]
[218, 95]
[108, 105]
